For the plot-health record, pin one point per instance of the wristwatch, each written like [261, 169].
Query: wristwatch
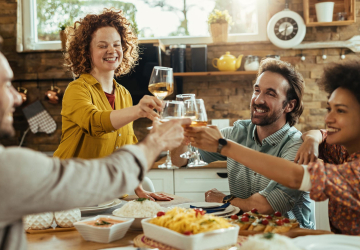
[228, 198]
[222, 143]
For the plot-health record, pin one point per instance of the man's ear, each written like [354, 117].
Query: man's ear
[290, 106]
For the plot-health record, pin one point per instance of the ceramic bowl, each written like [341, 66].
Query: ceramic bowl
[101, 234]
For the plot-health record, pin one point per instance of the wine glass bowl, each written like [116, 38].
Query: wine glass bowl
[161, 82]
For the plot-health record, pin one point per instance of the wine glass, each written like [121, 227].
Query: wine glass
[184, 97]
[161, 83]
[171, 110]
[200, 121]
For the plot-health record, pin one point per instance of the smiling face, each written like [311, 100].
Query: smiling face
[9, 98]
[268, 103]
[106, 50]
[343, 120]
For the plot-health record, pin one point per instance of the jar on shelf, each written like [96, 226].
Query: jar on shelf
[251, 63]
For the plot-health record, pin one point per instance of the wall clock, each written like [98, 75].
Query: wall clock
[286, 29]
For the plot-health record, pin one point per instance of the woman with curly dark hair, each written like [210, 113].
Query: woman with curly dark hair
[97, 112]
[339, 183]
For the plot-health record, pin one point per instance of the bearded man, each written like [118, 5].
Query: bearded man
[275, 106]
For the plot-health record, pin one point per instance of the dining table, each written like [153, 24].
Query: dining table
[72, 240]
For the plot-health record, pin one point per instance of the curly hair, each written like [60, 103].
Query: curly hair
[345, 75]
[78, 56]
[296, 85]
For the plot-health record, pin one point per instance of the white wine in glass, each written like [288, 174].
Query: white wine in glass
[161, 82]
[200, 121]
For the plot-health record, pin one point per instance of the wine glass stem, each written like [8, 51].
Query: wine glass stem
[168, 161]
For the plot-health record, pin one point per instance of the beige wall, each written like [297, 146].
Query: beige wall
[225, 96]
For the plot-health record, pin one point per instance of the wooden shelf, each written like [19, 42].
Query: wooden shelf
[216, 73]
[335, 23]
[347, 6]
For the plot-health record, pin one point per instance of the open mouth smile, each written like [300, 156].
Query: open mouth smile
[110, 59]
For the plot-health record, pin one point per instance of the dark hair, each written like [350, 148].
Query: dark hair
[296, 85]
[79, 37]
[345, 75]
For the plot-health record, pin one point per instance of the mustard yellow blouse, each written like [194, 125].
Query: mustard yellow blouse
[86, 128]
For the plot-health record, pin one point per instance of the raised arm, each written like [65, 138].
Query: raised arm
[309, 150]
[280, 170]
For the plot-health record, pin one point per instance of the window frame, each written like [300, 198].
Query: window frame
[30, 38]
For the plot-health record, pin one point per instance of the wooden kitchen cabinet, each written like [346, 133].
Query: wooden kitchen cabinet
[347, 6]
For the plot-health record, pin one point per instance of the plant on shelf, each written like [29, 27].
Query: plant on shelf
[63, 38]
[219, 22]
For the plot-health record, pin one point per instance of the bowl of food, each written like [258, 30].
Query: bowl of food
[139, 209]
[268, 241]
[190, 229]
[103, 229]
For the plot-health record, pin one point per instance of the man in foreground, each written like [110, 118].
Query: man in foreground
[31, 182]
[275, 106]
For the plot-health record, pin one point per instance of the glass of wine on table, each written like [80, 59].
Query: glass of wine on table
[171, 110]
[161, 83]
[199, 121]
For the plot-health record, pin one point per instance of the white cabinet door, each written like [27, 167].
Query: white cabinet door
[200, 180]
[322, 215]
[163, 180]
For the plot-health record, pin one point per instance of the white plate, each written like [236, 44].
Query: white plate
[112, 204]
[230, 210]
[208, 240]
[328, 242]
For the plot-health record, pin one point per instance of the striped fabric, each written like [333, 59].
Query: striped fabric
[244, 182]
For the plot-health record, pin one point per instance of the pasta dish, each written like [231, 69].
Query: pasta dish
[189, 221]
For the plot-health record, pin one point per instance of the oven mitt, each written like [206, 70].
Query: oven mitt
[39, 119]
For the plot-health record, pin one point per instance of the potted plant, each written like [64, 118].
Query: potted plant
[62, 27]
[219, 22]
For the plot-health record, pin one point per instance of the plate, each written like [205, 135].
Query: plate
[328, 242]
[112, 204]
[230, 210]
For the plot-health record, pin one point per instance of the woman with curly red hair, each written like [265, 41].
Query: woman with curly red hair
[97, 112]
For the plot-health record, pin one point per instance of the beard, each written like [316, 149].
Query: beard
[270, 118]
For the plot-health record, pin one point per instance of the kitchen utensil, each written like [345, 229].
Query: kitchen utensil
[22, 91]
[53, 95]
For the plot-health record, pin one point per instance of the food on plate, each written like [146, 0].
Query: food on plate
[139, 208]
[101, 222]
[189, 221]
[254, 221]
[268, 241]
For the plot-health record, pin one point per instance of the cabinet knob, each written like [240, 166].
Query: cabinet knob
[222, 175]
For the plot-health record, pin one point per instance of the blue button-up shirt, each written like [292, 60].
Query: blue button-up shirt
[244, 182]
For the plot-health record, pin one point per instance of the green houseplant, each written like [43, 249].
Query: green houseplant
[219, 22]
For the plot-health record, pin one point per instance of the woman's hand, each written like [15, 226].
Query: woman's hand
[147, 105]
[309, 150]
[205, 138]
[141, 193]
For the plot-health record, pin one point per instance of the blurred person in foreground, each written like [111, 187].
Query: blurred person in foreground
[337, 176]
[31, 182]
[275, 106]
[97, 112]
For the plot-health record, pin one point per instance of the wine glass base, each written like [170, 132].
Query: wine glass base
[187, 155]
[168, 166]
[197, 164]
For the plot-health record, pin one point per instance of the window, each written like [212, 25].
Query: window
[172, 21]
